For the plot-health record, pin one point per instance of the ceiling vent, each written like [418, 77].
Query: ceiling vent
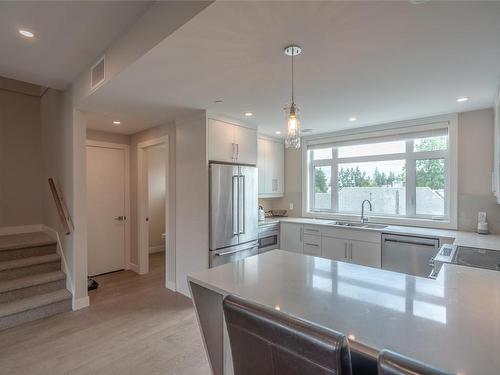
[97, 74]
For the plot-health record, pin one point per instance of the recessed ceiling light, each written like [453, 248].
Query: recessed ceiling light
[248, 114]
[277, 132]
[352, 119]
[117, 122]
[26, 33]
[462, 99]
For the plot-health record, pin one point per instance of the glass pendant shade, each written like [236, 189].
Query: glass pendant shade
[292, 130]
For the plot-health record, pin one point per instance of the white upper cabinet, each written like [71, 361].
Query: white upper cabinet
[271, 164]
[231, 143]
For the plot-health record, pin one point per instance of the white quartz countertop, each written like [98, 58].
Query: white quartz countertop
[460, 238]
[452, 322]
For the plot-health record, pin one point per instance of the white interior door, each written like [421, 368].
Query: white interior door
[106, 209]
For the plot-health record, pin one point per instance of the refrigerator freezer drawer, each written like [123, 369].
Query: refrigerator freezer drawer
[232, 254]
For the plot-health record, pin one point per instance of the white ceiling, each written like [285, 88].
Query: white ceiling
[69, 37]
[377, 61]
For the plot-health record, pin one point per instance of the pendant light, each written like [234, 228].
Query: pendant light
[292, 131]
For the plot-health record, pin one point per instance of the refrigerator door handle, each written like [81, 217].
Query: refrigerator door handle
[235, 204]
[243, 204]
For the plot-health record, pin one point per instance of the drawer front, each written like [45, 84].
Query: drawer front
[312, 229]
[312, 249]
[312, 245]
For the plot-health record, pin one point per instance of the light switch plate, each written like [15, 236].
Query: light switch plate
[291, 206]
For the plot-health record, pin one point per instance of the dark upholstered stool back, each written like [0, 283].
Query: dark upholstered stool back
[267, 342]
[390, 363]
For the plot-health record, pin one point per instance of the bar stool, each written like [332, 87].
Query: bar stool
[390, 363]
[268, 342]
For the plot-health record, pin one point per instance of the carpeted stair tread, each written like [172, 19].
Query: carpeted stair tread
[23, 240]
[26, 262]
[34, 302]
[32, 280]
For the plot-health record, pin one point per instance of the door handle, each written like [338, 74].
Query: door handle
[235, 205]
[120, 218]
[243, 204]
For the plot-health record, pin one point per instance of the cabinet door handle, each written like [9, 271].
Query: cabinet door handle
[311, 244]
[237, 151]
[301, 234]
[350, 250]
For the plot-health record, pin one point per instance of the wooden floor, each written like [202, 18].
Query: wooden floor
[133, 326]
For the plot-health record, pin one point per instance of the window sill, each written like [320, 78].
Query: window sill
[407, 221]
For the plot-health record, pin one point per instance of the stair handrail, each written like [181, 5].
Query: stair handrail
[62, 210]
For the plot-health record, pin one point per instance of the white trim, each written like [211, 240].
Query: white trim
[134, 267]
[390, 130]
[70, 285]
[270, 138]
[142, 212]
[21, 229]
[156, 249]
[80, 303]
[126, 149]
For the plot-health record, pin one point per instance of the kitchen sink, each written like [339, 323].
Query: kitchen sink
[352, 224]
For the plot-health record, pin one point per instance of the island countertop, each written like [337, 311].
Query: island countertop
[452, 322]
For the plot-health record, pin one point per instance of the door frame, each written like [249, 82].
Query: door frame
[126, 149]
[142, 212]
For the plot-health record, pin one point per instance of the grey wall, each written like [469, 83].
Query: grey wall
[192, 231]
[475, 167]
[20, 163]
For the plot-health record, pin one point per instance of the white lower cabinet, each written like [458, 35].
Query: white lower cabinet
[366, 253]
[345, 245]
[291, 237]
[335, 248]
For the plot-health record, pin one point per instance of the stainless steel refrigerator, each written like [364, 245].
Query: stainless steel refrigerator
[233, 213]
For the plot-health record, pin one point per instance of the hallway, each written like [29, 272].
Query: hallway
[133, 326]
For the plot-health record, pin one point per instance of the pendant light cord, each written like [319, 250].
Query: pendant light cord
[293, 52]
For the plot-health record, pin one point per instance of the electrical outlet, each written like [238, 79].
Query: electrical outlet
[291, 206]
[481, 217]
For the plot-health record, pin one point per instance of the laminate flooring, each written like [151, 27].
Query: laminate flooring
[133, 326]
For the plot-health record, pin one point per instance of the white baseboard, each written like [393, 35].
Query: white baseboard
[156, 249]
[170, 285]
[80, 303]
[134, 267]
[21, 229]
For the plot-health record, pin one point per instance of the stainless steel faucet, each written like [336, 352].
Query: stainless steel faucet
[364, 219]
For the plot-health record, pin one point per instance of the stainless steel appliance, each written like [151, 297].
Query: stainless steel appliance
[408, 254]
[233, 217]
[269, 237]
[466, 256]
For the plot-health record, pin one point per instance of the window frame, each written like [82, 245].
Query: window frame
[408, 130]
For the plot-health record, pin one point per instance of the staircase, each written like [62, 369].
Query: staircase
[32, 285]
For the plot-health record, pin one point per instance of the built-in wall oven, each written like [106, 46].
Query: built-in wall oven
[269, 237]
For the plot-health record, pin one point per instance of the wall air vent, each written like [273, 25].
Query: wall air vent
[97, 73]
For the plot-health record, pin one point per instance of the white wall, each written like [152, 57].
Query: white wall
[156, 197]
[63, 158]
[20, 163]
[192, 225]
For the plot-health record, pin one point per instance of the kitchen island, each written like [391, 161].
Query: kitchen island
[452, 322]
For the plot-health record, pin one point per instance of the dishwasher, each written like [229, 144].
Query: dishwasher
[409, 254]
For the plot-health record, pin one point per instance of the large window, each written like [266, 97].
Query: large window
[403, 176]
